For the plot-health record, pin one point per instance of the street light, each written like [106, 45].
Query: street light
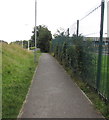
[35, 22]
[22, 43]
[35, 30]
[28, 45]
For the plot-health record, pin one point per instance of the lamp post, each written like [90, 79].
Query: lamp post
[22, 43]
[28, 45]
[35, 30]
[35, 22]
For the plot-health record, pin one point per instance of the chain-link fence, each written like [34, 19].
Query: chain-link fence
[86, 55]
[81, 56]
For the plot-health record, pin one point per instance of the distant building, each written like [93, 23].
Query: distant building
[108, 19]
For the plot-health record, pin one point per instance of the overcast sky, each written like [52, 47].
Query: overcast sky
[17, 17]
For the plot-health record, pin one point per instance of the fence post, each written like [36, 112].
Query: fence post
[99, 66]
[68, 32]
[77, 33]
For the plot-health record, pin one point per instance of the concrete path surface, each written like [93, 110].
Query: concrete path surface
[53, 94]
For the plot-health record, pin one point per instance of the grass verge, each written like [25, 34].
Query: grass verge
[17, 71]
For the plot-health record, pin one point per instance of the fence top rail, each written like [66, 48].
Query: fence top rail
[90, 12]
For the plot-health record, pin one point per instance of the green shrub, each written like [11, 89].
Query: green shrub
[76, 54]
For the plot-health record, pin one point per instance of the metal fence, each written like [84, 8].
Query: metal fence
[81, 56]
[87, 57]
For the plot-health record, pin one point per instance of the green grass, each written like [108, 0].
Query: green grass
[17, 71]
[105, 76]
[105, 66]
[104, 83]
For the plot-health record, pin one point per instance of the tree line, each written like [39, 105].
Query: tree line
[44, 37]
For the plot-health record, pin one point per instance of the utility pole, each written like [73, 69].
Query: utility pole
[28, 45]
[35, 30]
[35, 22]
[22, 43]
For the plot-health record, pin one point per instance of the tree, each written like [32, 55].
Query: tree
[44, 37]
[19, 42]
[60, 32]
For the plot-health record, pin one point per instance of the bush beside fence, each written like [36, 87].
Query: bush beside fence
[81, 55]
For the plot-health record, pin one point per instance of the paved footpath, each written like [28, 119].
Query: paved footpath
[53, 94]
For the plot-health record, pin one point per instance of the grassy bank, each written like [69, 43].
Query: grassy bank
[17, 71]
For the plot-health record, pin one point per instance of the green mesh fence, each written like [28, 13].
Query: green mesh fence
[81, 56]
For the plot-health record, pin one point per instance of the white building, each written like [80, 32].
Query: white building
[108, 19]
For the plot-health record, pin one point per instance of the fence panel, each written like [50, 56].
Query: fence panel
[81, 56]
[88, 56]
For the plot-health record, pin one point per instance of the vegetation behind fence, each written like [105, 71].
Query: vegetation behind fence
[81, 56]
